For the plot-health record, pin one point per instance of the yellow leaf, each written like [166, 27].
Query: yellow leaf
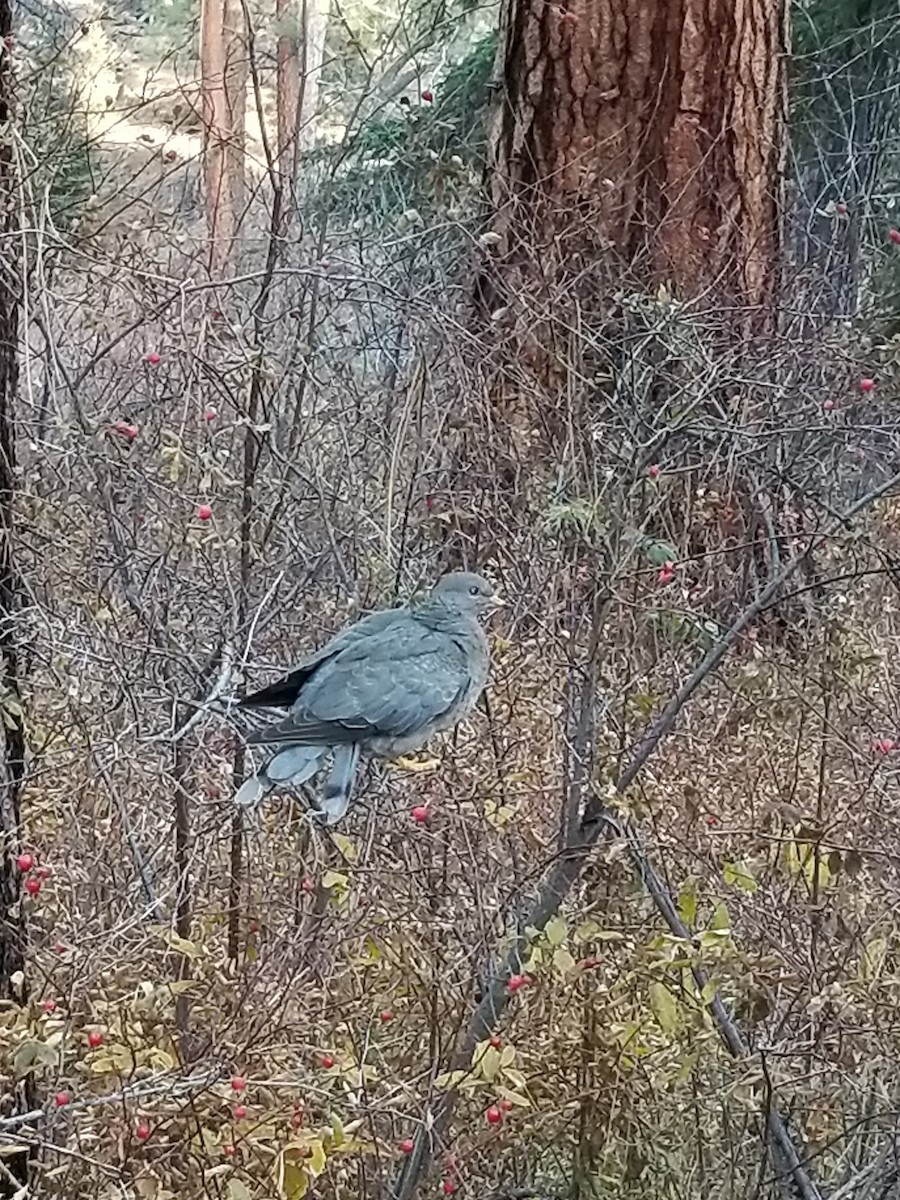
[516, 1079]
[556, 931]
[335, 879]
[507, 1056]
[563, 961]
[337, 1131]
[346, 846]
[294, 1180]
[238, 1190]
[315, 1163]
[665, 1007]
[489, 1063]
[873, 957]
[182, 945]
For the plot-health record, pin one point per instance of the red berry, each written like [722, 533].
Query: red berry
[387, 1015]
[238, 1083]
[142, 1132]
[711, 820]
[840, 208]
[407, 1145]
[24, 862]
[125, 430]
[494, 1115]
[44, 872]
[297, 1118]
[240, 1111]
[894, 235]
[448, 1187]
[420, 814]
[327, 1062]
[666, 574]
[48, 1005]
[204, 512]
[506, 1105]
[867, 385]
[496, 1043]
[516, 982]
[883, 745]
[308, 885]
[229, 1150]
[60, 948]
[828, 406]
[61, 1099]
[33, 885]
[588, 964]
[153, 358]
[428, 97]
[210, 414]
[654, 471]
[95, 1039]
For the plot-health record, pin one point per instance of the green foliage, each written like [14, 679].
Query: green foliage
[54, 128]
[419, 158]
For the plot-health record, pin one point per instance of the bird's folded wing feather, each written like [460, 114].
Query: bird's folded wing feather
[399, 681]
[284, 690]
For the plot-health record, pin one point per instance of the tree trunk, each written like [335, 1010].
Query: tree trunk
[223, 73]
[302, 26]
[652, 128]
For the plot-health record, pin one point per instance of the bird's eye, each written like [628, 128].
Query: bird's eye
[474, 589]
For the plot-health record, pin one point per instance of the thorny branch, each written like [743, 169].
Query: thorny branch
[602, 820]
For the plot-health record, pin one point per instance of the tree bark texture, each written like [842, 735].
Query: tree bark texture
[223, 74]
[302, 26]
[649, 127]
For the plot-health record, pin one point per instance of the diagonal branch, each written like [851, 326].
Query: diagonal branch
[600, 819]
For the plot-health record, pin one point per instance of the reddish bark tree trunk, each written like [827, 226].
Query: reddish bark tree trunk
[301, 48]
[223, 72]
[650, 127]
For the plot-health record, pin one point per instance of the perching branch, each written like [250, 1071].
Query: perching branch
[600, 819]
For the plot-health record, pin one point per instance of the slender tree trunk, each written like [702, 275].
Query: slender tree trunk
[652, 128]
[223, 70]
[302, 26]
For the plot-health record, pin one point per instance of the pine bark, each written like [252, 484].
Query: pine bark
[652, 128]
[223, 74]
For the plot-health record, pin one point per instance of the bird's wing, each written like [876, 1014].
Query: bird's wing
[400, 681]
[283, 692]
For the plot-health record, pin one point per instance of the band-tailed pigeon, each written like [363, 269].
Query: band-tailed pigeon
[383, 687]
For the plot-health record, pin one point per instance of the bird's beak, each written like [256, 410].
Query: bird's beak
[497, 601]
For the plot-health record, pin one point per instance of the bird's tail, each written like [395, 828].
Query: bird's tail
[339, 785]
[293, 765]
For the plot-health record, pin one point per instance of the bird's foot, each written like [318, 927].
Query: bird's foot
[402, 763]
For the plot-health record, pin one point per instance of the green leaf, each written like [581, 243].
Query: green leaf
[740, 875]
[665, 1007]
[660, 552]
[721, 920]
[556, 931]
[708, 994]
[687, 903]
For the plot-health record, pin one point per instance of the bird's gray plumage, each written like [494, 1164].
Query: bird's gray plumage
[383, 686]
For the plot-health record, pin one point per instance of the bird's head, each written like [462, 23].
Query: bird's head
[466, 594]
